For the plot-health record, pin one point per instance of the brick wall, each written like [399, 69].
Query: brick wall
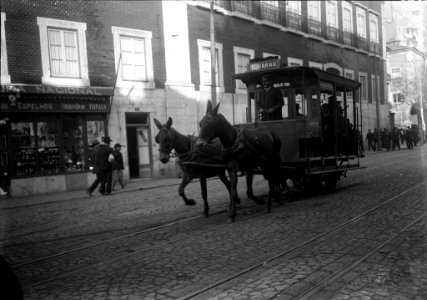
[23, 39]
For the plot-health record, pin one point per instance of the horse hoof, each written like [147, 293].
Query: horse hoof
[190, 202]
[231, 220]
[237, 200]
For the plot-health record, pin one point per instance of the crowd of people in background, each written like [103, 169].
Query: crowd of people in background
[393, 139]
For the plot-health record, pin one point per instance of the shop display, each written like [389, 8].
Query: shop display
[48, 160]
[25, 162]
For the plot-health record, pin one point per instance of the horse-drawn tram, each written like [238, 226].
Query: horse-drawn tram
[319, 130]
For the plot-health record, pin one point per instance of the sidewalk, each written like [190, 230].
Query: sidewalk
[132, 185]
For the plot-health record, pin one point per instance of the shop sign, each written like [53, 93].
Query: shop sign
[57, 90]
[51, 106]
[264, 65]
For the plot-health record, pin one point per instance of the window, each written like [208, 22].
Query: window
[361, 22]
[293, 62]
[373, 28]
[315, 65]
[205, 66]
[5, 77]
[267, 54]
[63, 49]
[347, 12]
[375, 88]
[363, 79]
[314, 10]
[244, 7]
[331, 14]
[396, 72]
[293, 6]
[133, 57]
[241, 61]
[349, 74]
[398, 97]
[48, 151]
[270, 10]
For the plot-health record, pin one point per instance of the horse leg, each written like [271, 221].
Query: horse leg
[203, 187]
[271, 194]
[227, 184]
[233, 195]
[249, 191]
[186, 179]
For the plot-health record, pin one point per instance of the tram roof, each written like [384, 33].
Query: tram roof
[296, 76]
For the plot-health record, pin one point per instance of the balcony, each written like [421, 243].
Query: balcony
[244, 7]
[332, 33]
[314, 27]
[374, 47]
[348, 38]
[362, 43]
[269, 12]
[293, 20]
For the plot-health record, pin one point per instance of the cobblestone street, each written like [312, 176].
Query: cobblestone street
[366, 240]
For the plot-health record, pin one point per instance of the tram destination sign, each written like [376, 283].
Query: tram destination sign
[264, 65]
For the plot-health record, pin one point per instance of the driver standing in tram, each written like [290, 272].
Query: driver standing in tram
[269, 101]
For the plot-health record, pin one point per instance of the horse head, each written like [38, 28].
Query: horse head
[164, 139]
[208, 125]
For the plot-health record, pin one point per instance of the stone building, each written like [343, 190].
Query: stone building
[73, 71]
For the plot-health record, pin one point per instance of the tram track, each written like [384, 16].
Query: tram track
[350, 266]
[173, 241]
[303, 295]
[195, 217]
[296, 195]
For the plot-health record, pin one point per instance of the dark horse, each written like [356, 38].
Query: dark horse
[185, 148]
[244, 151]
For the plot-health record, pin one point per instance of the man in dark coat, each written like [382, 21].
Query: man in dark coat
[105, 163]
[94, 167]
[118, 167]
[370, 140]
[269, 101]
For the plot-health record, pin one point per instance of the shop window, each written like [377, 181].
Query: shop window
[48, 150]
[23, 147]
[73, 145]
[95, 131]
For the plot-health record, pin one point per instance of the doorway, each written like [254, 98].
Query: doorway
[139, 145]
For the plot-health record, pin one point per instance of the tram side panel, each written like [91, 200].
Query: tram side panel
[298, 138]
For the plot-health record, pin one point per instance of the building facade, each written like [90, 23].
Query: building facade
[73, 71]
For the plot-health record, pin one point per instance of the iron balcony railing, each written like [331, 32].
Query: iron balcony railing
[244, 7]
[298, 22]
[293, 20]
[269, 12]
[314, 27]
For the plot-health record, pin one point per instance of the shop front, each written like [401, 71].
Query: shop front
[48, 135]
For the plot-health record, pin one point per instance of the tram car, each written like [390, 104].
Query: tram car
[316, 148]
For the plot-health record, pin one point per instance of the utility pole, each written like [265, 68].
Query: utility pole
[423, 125]
[377, 100]
[213, 55]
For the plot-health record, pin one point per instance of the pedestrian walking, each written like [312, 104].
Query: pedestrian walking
[376, 138]
[105, 159]
[395, 143]
[118, 167]
[409, 138]
[370, 140]
[94, 167]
